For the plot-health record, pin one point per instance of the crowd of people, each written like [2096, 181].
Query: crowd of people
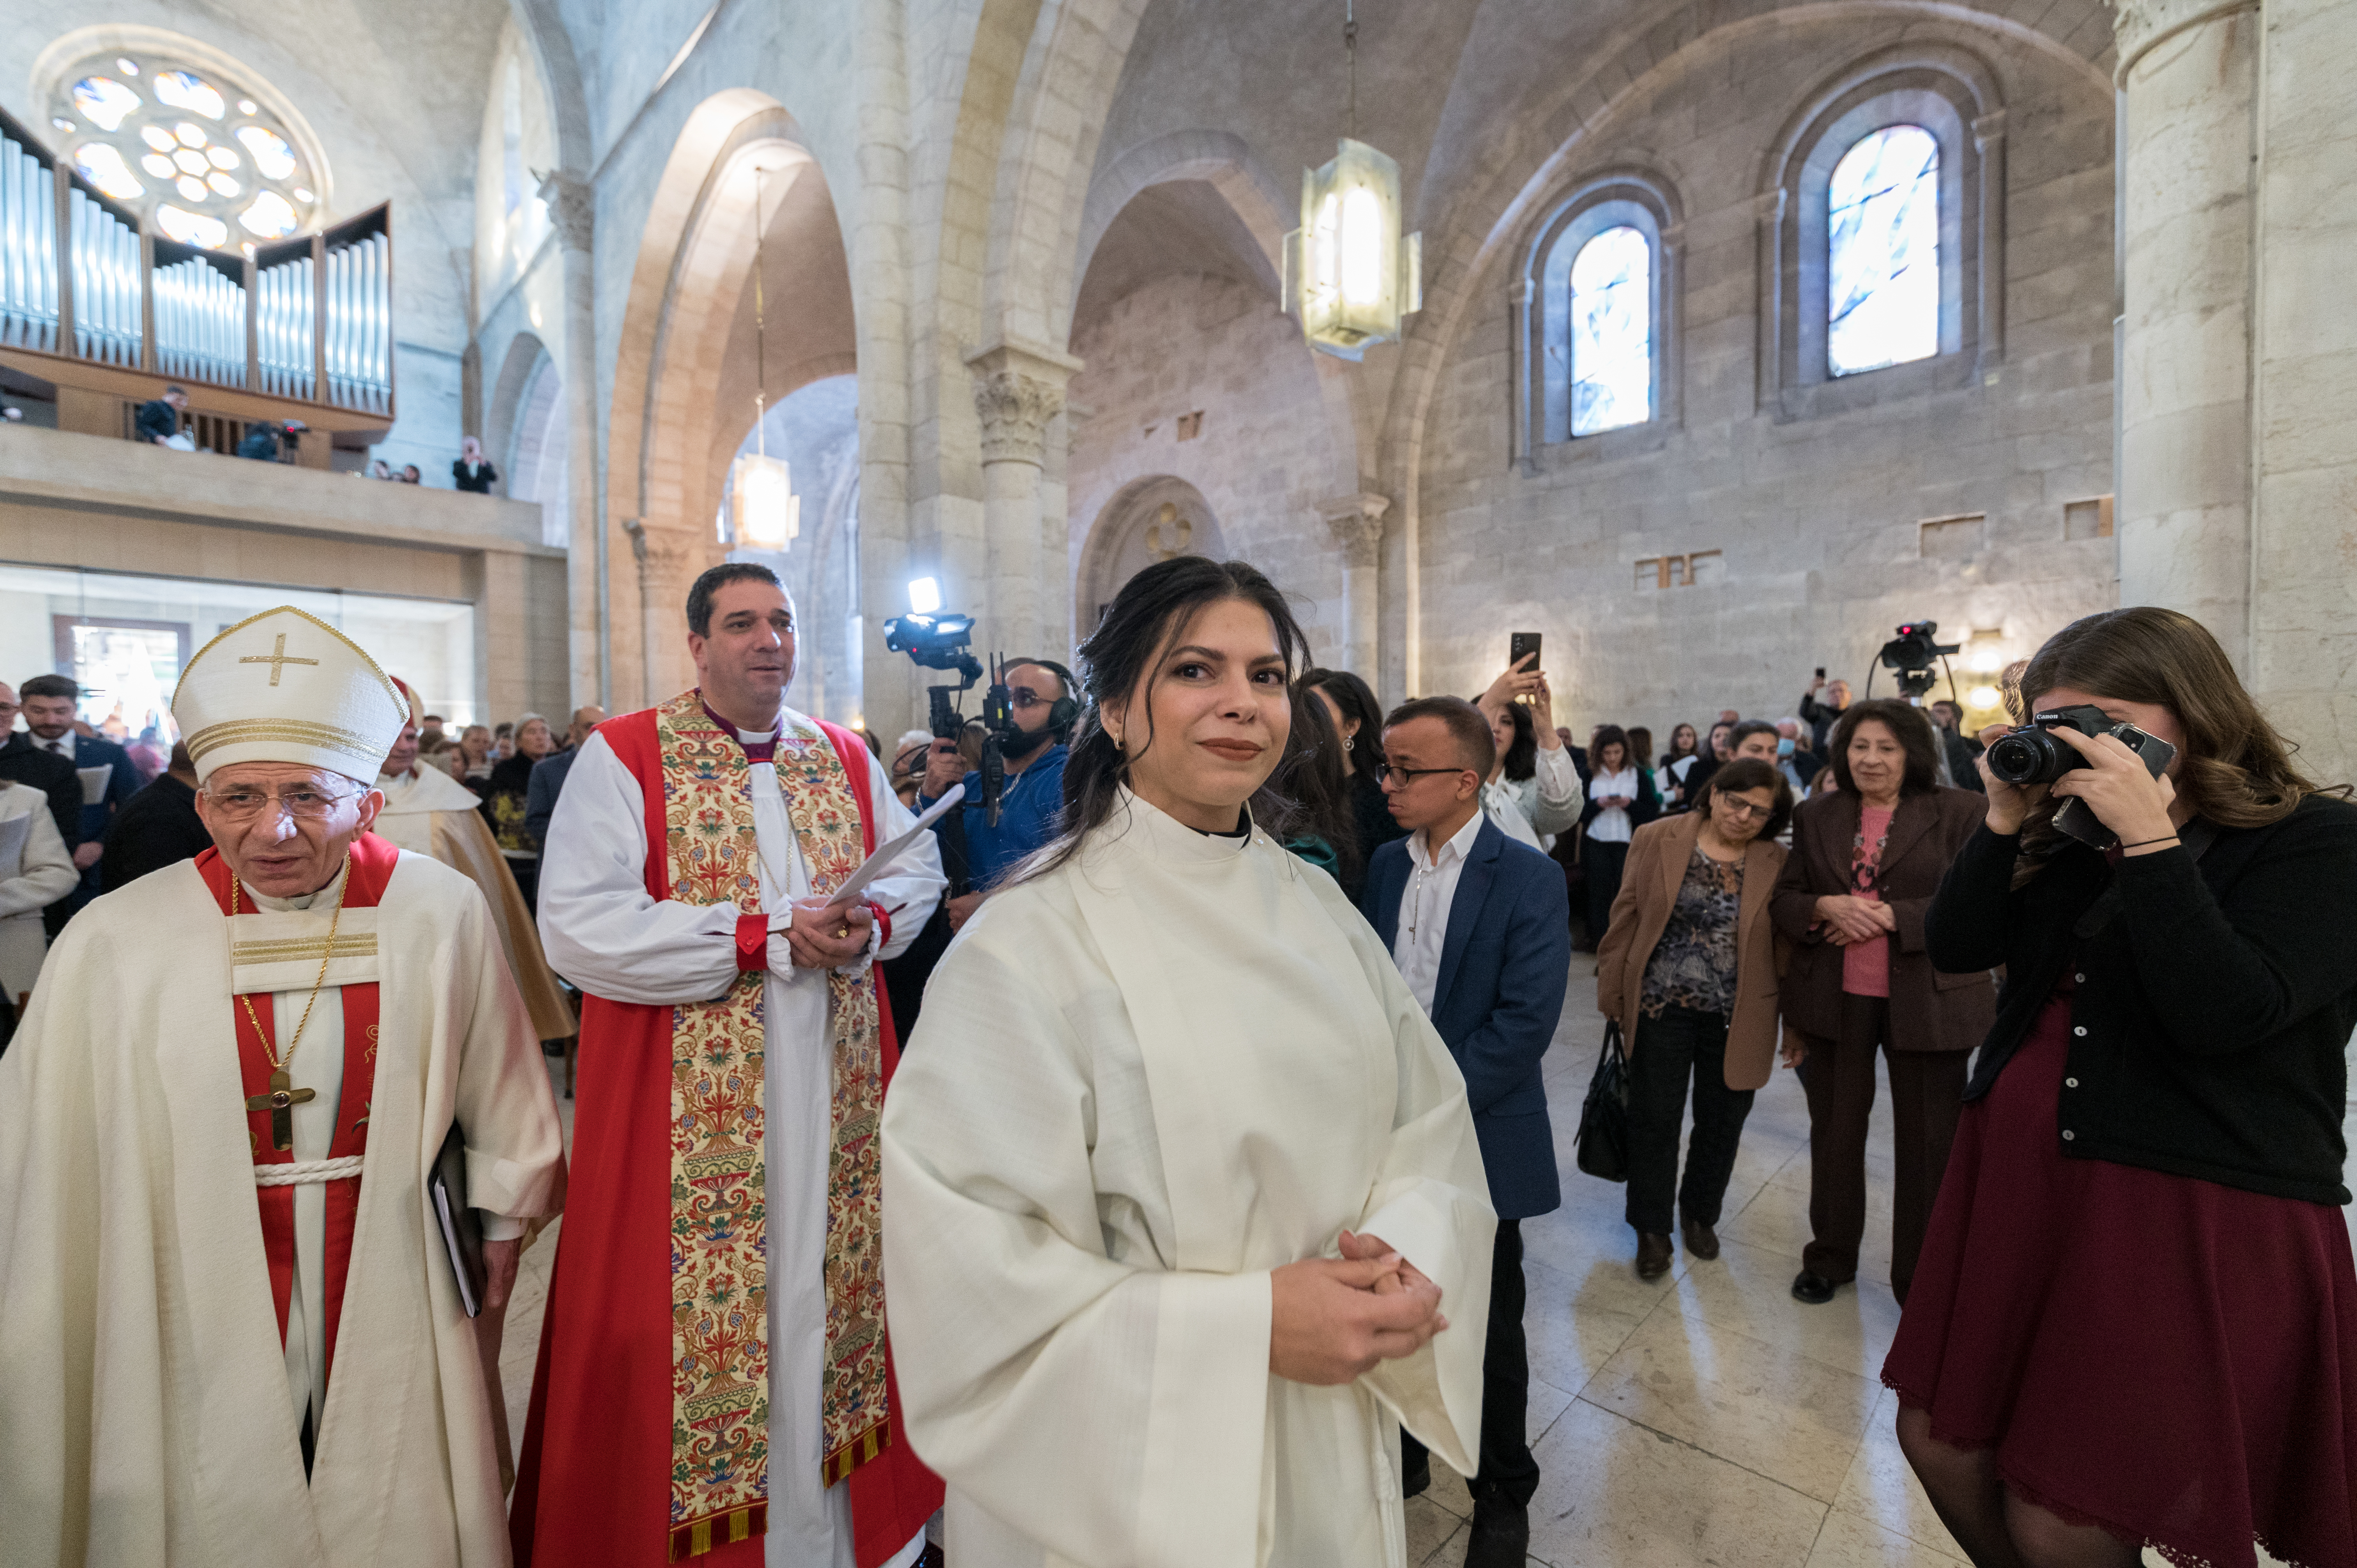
[159, 422]
[1219, 1007]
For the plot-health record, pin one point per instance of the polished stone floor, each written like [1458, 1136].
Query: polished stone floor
[1703, 1419]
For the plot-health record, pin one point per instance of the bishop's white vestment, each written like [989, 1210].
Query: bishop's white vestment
[1140, 1083]
[598, 1460]
[170, 1318]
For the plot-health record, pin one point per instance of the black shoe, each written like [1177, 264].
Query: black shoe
[1652, 1255]
[1501, 1534]
[1812, 1288]
[1701, 1240]
[1416, 1478]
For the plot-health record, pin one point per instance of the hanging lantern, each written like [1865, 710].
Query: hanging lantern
[1349, 274]
[767, 514]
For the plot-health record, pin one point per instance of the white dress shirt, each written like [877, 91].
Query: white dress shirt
[62, 747]
[1425, 904]
[1612, 825]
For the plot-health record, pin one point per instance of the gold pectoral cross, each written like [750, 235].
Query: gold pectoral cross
[280, 1102]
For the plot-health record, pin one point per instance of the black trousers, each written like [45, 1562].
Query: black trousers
[1508, 1471]
[1679, 1045]
[1927, 1096]
[1605, 863]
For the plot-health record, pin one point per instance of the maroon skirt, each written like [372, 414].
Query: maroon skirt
[2168, 1359]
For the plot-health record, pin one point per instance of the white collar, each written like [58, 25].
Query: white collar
[1458, 847]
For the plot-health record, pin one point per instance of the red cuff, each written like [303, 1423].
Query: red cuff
[884, 920]
[752, 943]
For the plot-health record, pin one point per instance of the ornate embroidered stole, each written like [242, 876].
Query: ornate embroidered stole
[720, 1362]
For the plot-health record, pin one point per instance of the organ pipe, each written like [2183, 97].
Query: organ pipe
[28, 251]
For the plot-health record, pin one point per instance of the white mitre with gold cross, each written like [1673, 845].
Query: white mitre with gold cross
[284, 686]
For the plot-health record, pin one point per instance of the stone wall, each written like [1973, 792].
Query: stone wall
[1219, 353]
[1815, 520]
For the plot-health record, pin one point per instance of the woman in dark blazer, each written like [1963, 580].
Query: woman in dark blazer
[1688, 972]
[2135, 1319]
[1866, 861]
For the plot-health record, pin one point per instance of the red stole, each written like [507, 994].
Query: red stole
[593, 1483]
[372, 862]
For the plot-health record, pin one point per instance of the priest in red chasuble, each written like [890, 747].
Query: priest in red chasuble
[714, 1381]
[230, 1329]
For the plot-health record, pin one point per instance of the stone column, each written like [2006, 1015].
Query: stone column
[665, 565]
[572, 207]
[1019, 390]
[1356, 523]
[2236, 471]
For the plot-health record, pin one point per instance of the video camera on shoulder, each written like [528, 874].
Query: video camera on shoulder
[2036, 755]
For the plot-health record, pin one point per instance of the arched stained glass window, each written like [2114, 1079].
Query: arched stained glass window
[1611, 332]
[206, 163]
[1882, 232]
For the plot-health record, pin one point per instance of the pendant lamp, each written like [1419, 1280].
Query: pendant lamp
[1349, 275]
[761, 499]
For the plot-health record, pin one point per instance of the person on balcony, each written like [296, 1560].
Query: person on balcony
[471, 472]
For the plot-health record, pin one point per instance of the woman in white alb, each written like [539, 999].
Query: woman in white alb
[1181, 1188]
[1621, 800]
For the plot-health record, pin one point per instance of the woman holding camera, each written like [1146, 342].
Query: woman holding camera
[2136, 1318]
[1689, 964]
[1866, 861]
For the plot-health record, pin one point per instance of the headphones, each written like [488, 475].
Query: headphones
[1065, 711]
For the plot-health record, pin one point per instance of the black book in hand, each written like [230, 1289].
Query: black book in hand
[462, 1232]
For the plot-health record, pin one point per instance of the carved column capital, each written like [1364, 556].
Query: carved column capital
[571, 209]
[1019, 390]
[1356, 523]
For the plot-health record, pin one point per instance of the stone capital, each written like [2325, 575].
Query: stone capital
[1356, 523]
[2137, 25]
[1019, 390]
[571, 209]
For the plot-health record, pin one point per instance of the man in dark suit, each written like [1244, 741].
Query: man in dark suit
[1481, 927]
[48, 703]
[22, 762]
[548, 779]
[159, 828]
[159, 421]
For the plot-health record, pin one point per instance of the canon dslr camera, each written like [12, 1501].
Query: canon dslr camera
[2036, 755]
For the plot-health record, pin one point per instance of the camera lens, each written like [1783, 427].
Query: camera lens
[2030, 756]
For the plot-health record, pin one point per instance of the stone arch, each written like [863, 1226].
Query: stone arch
[669, 434]
[1572, 128]
[1124, 540]
[520, 372]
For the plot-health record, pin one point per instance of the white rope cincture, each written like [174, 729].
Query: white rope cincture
[303, 1173]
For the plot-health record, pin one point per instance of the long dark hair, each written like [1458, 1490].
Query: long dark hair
[1908, 726]
[1641, 746]
[1609, 734]
[1312, 778]
[1145, 621]
[1522, 758]
[2236, 769]
[1357, 700]
[1692, 746]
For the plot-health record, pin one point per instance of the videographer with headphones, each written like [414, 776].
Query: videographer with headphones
[1039, 697]
[2135, 1321]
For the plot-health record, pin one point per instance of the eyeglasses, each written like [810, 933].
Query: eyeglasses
[1024, 697]
[1402, 777]
[242, 803]
[1744, 811]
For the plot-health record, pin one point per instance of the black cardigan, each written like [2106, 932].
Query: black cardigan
[2210, 1011]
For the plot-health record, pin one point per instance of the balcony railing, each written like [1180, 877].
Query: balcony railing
[308, 320]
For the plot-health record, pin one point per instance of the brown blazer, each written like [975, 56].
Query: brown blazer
[1929, 1011]
[1658, 853]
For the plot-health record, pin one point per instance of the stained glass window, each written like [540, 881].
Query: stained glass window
[1882, 284]
[123, 117]
[1612, 332]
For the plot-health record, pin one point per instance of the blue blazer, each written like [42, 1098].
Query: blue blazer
[1504, 965]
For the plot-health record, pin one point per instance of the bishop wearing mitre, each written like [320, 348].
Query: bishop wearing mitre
[714, 1381]
[428, 813]
[233, 1331]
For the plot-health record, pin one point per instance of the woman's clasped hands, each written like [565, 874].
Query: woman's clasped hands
[1847, 918]
[1333, 1319]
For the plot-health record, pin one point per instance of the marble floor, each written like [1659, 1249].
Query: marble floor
[1702, 1419]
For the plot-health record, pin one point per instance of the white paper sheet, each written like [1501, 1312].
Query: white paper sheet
[877, 864]
[95, 782]
[14, 832]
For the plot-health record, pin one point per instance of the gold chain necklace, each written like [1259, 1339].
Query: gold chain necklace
[283, 1097]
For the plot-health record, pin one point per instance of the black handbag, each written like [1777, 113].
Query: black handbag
[1603, 1138]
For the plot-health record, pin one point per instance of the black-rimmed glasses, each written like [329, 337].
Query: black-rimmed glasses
[1402, 778]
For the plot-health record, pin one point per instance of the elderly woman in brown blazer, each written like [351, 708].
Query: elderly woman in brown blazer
[1866, 861]
[1687, 970]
